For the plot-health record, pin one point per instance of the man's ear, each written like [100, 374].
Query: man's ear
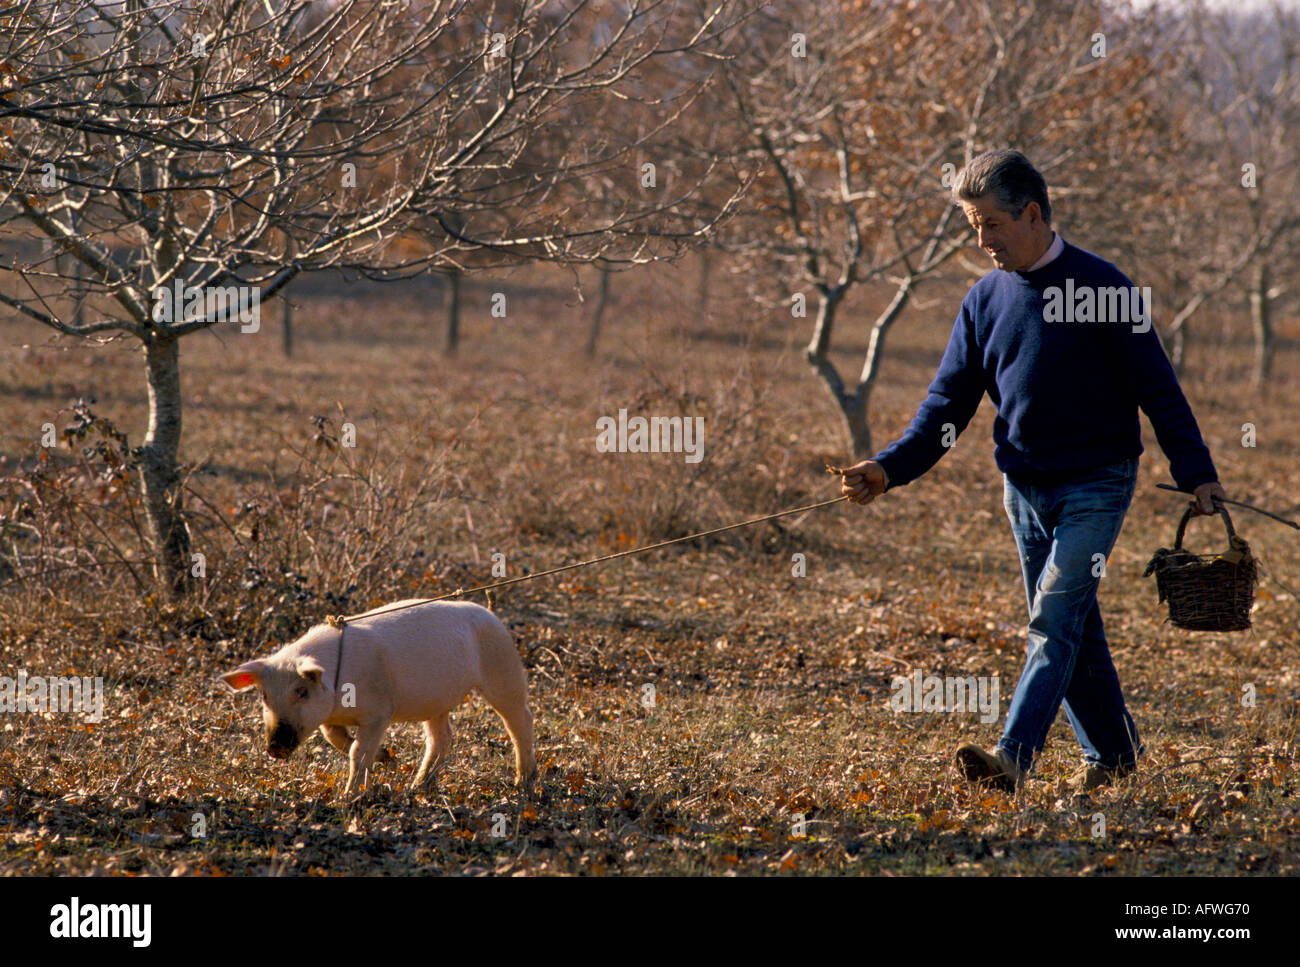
[310, 669]
[245, 676]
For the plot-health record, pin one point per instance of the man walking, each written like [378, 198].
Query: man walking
[1063, 345]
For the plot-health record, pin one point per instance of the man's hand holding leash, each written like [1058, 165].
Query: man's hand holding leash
[864, 482]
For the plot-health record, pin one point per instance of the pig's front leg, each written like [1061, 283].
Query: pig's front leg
[362, 755]
[339, 738]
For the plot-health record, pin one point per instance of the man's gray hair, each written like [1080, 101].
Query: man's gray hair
[1008, 177]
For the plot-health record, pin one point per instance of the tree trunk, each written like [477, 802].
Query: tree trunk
[853, 407]
[855, 416]
[286, 320]
[1262, 322]
[78, 287]
[706, 269]
[453, 312]
[158, 466]
[1178, 352]
[286, 327]
[78, 293]
[602, 300]
[871, 367]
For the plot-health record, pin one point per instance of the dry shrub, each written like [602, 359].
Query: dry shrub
[330, 535]
[622, 500]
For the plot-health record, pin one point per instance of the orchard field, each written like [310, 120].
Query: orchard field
[719, 706]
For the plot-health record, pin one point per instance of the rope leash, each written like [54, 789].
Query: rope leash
[340, 621]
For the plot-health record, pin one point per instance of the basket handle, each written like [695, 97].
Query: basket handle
[1187, 515]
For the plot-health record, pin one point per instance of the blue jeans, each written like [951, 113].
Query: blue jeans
[1065, 532]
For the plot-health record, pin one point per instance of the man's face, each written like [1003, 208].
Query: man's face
[1014, 243]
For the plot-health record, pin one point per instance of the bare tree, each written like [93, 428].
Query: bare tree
[1230, 220]
[860, 117]
[194, 157]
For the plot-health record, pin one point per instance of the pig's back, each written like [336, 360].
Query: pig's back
[450, 639]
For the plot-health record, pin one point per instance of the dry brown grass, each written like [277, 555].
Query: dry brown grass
[771, 691]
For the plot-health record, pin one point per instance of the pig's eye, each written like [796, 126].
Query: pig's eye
[301, 691]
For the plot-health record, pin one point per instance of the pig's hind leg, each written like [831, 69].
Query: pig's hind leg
[519, 723]
[505, 686]
[437, 745]
[510, 699]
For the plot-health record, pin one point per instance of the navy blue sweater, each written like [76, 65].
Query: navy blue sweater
[1067, 392]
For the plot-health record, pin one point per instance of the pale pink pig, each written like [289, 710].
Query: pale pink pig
[410, 665]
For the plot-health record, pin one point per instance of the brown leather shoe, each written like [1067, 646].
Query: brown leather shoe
[994, 768]
[1094, 774]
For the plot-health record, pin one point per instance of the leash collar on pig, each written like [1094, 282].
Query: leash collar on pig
[340, 620]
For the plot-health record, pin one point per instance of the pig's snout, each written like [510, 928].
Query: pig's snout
[281, 742]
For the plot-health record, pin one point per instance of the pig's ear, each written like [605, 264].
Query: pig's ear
[311, 670]
[245, 676]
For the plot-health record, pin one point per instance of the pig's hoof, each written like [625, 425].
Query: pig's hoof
[526, 783]
[425, 784]
[415, 794]
[362, 797]
[385, 755]
[538, 793]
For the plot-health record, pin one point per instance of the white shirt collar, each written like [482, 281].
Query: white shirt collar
[1053, 250]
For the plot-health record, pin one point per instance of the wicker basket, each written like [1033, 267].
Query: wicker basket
[1206, 592]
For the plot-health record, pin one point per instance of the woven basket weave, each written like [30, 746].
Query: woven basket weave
[1206, 592]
